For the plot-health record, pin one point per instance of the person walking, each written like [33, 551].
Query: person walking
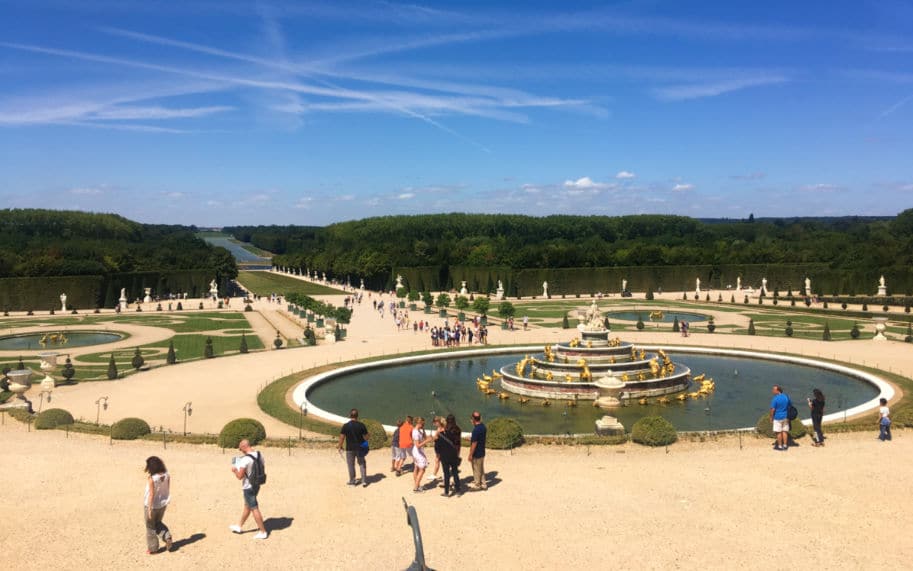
[779, 417]
[155, 500]
[405, 443]
[242, 468]
[438, 442]
[353, 434]
[397, 452]
[477, 451]
[884, 421]
[817, 406]
[450, 454]
[420, 462]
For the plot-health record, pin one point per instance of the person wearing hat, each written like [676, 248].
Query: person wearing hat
[477, 451]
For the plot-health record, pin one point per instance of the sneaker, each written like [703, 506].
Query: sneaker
[351, 483]
[431, 477]
[445, 494]
[235, 528]
[418, 490]
[169, 544]
[261, 535]
[364, 484]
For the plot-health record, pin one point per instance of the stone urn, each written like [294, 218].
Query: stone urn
[20, 381]
[48, 360]
[879, 328]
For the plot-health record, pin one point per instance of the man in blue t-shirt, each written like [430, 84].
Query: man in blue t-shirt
[779, 416]
[477, 451]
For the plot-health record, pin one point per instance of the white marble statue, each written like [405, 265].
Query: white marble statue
[147, 291]
[499, 294]
[882, 287]
[808, 286]
[697, 285]
[764, 286]
[624, 286]
[362, 284]
[594, 321]
[463, 290]
[63, 302]
[881, 281]
[399, 281]
[738, 283]
[213, 290]
[545, 289]
[324, 277]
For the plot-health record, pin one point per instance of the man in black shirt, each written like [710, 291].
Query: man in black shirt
[353, 434]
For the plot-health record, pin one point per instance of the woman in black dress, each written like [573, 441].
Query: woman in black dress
[817, 406]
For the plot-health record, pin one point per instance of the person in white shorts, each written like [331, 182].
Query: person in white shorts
[418, 454]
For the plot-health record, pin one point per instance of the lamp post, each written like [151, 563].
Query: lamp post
[102, 402]
[304, 411]
[188, 410]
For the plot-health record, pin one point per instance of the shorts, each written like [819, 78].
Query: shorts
[250, 497]
[399, 453]
[781, 425]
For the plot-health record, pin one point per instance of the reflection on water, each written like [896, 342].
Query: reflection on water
[448, 386]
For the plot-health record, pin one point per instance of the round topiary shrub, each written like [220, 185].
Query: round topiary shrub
[52, 418]
[765, 427]
[377, 436]
[130, 429]
[854, 332]
[504, 433]
[653, 431]
[640, 322]
[240, 428]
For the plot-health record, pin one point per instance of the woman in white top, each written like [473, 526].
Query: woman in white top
[157, 496]
[419, 460]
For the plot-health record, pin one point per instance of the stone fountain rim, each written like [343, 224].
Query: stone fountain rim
[886, 390]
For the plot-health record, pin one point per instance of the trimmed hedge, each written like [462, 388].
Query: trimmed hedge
[903, 418]
[377, 436]
[52, 418]
[765, 428]
[240, 428]
[504, 433]
[653, 431]
[130, 429]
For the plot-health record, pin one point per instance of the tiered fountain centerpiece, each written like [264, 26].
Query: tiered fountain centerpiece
[594, 367]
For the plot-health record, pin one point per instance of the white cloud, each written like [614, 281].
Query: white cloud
[304, 202]
[681, 187]
[174, 195]
[87, 190]
[820, 187]
[625, 175]
[713, 88]
[585, 183]
[405, 195]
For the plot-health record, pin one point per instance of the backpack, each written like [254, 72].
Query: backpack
[257, 476]
[792, 413]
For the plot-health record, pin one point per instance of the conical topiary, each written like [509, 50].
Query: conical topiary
[751, 330]
[112, 368]
[137, 360]
[171, 358]
[243, 347]
[565, 324]
[207, 349]
[68, 370]
[826, 336]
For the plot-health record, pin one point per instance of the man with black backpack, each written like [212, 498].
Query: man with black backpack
[251, 470]
[354, 435]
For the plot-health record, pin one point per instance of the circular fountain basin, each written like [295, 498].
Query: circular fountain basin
[668, 316]
[438, 385]
[32, 341]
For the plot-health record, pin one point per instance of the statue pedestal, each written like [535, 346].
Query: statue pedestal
[879, 328]
[883, 290]
[609, 426]
[123, 303]
[500, 293]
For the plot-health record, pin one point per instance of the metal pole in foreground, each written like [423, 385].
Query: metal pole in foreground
[418, 564]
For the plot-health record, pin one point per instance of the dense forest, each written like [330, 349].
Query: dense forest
[376, 245]
[68, 243]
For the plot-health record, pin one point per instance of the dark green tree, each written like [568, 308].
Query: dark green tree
[137, 360]
[112, 368]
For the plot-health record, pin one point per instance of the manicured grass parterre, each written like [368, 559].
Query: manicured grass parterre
[266, 283]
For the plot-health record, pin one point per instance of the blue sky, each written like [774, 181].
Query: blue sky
[219, 112]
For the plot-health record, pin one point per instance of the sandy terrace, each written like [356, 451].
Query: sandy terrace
[695, 506]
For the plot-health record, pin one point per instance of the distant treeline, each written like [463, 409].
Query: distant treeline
[92, 256]
[847, 253]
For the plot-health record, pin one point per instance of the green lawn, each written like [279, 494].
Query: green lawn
[266, 283]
